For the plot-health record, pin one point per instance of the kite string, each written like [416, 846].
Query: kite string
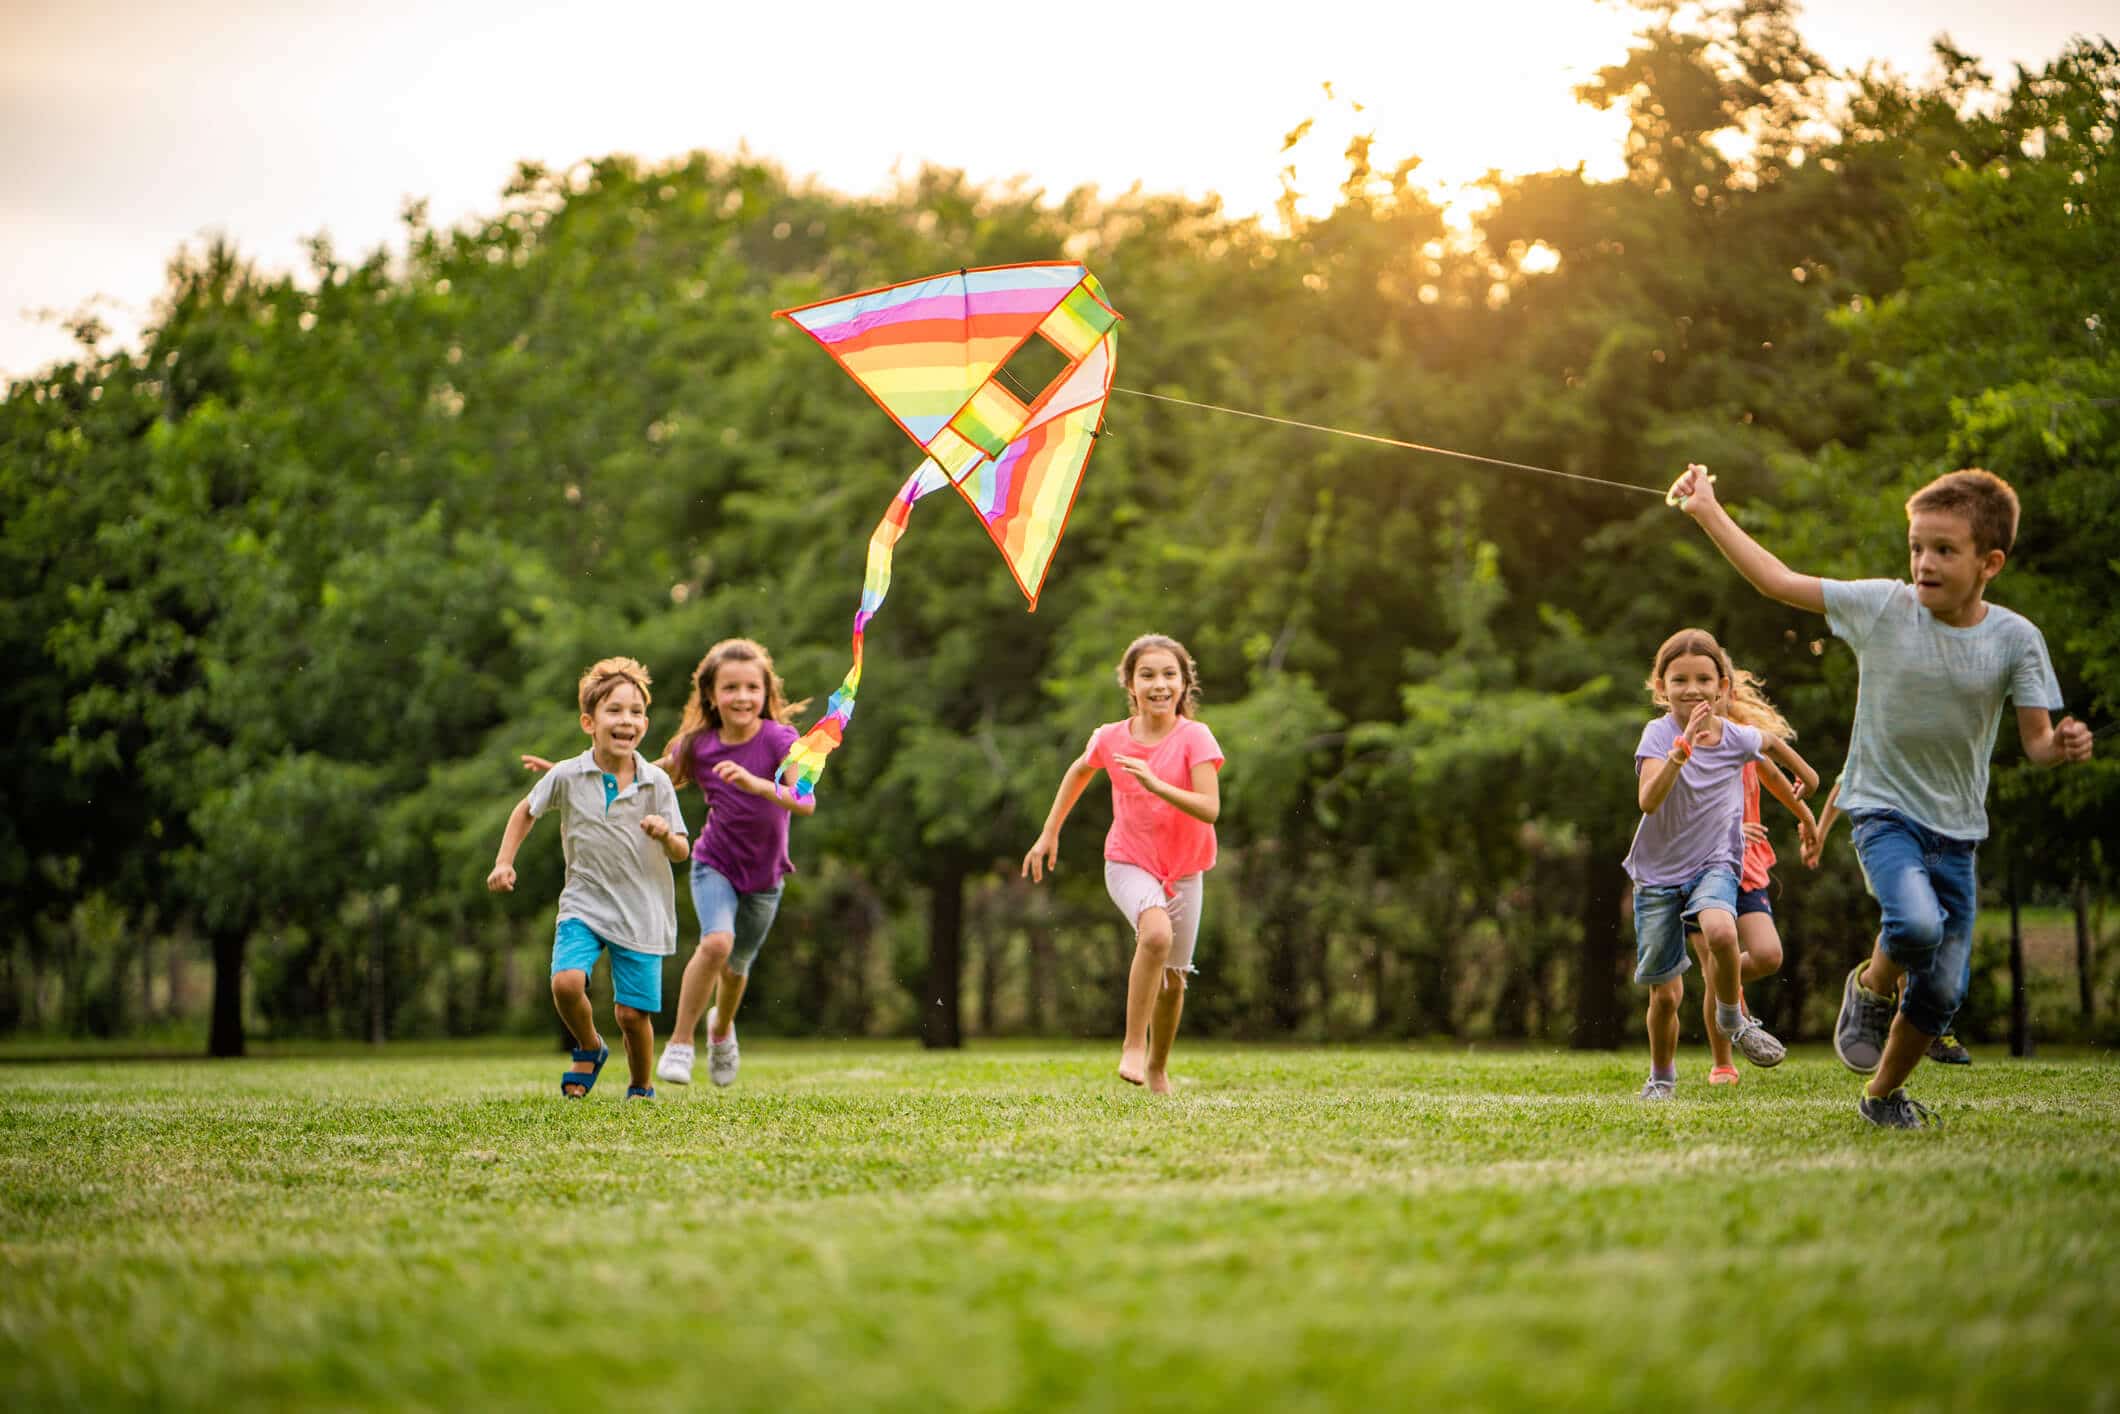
[1393, 442]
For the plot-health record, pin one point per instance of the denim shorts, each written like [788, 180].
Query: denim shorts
[1661, 913]
[723, 909]
[1926, 886]
[636, 977]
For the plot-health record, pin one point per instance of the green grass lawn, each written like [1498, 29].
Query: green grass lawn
[867, 1226]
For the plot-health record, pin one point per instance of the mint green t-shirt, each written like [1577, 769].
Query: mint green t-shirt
[1929, 701]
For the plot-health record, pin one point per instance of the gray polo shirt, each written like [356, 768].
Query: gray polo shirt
[1928, 701]
[618, 879]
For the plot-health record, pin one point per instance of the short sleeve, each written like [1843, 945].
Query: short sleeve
[1853, 606]
[541, 794]
[2032, 680]
[1200, 747]
[1657, 738]
[1748, 740]
[666, 803]
[1094, 752]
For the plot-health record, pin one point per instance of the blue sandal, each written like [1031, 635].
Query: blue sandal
[640, 1092]
[584, 1078]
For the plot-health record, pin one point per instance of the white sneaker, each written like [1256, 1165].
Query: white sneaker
[676, 1066]
[721, 1055]
[1756, 1045]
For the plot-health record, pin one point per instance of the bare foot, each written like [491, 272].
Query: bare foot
[1133, 1066]
[1159, 1082]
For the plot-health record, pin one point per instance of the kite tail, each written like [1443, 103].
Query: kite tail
[804, 762]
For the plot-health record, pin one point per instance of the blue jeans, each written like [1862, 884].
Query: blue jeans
[722, 909]
[1925, 884]
[1661, 913]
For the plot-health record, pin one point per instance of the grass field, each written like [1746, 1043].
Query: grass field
[1010, 1228]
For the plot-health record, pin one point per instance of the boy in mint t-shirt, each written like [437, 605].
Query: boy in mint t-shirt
[1936, 662]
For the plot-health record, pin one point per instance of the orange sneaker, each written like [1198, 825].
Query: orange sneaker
[1723, 1075]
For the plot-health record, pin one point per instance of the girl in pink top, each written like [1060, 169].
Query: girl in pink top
[1165, 797]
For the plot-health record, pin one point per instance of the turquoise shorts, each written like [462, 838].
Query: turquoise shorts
[636, 977]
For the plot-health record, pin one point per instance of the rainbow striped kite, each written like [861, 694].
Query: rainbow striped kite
[936, 355]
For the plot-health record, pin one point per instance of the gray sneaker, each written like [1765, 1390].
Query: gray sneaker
[1897, 1110]
[1865, 1020]
[1654, 1089]
[1947, 1049]
[1757, 1045]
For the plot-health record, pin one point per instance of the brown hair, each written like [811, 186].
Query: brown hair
[603, 677]
[1987, 502]
[1189, 698]
[702, 715]
[1687, 643]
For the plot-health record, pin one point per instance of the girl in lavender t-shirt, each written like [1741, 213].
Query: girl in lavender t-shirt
[731, 740]
[1689, 775]
[1165, 797]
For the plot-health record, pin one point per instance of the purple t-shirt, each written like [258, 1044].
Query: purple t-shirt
[1701, 822]
[745, 838]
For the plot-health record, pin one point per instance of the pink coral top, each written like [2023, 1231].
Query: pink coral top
[1149, 832]
[1759, 855]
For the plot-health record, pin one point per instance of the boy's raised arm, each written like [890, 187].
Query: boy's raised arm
[1694, 493]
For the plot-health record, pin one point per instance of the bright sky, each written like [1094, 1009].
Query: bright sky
[128, 129]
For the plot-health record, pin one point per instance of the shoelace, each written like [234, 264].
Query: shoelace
[1910, 1112]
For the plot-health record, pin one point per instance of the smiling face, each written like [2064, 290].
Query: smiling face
[1949, 572]
[1157, 684]
[1689, 680]
[618, 724]
[740, 694]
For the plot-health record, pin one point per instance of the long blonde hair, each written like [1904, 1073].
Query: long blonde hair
[1749, 706]
[702, 715]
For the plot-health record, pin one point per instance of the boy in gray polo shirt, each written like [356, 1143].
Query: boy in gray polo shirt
[621, 830]
[1936, 662]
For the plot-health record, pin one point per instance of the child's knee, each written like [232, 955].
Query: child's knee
[629, 1017]
[716, 947]
[1717, 929]
[569, 985]
[1764, 954]
[1173, 980]
[1664, 997]
[1152, 933]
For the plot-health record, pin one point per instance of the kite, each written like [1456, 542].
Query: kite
[941, 357]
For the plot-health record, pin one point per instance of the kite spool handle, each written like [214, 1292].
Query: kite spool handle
[1673, 498]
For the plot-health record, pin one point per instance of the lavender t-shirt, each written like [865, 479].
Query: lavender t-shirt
[1701, 822]
[745, 838]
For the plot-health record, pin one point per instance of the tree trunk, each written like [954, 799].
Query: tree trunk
[2083, 950]
[1041, 979]
[376, 1008]
[225, 1034]
[2020, 1023]
[941, 1019]
[1597, 1004]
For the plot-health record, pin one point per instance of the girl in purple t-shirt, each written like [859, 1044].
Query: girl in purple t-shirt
[1689, 780]
[734, 734]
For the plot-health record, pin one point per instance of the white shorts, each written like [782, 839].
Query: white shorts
[1136, 891]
